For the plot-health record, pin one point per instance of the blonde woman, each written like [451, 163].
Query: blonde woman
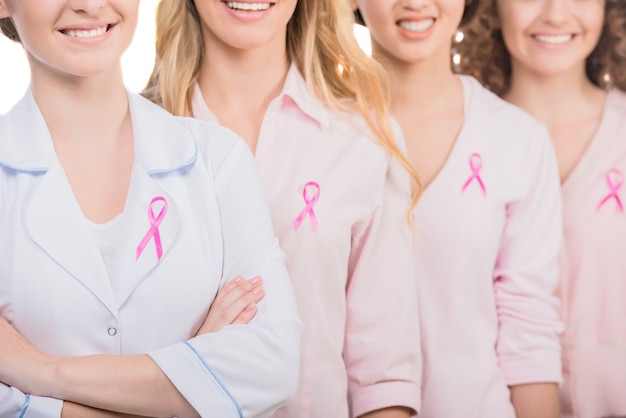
[289, 77]
[565, 63]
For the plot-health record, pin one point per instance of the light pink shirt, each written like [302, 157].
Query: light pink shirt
[489, 234]
[594, 273]
[354, 275]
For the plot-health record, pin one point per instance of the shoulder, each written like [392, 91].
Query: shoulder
[173, 140]
[616, 106]
[502, 123]
[217, 145]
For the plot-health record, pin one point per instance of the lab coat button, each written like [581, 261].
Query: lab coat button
[112, 331]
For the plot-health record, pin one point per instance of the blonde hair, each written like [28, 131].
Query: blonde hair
[320, 42]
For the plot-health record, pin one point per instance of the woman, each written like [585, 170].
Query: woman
[120, 224]
[488, 222]
[289, 77]
[564, 62]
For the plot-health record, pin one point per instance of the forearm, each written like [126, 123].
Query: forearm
[73, 410]
[393, 412]
[125, 384]
[536, 400]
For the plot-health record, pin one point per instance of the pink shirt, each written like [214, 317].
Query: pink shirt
[489, 234]
[353, 275]
[594, 272]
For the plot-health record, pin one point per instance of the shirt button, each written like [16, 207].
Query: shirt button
[112, 331]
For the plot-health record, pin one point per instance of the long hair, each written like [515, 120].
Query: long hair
[485, 56]
[321, 44]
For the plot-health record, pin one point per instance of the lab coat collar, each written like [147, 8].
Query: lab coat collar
[162, 143]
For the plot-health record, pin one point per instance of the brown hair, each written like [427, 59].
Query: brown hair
[485, 56]
[8, 29]
[319, 42]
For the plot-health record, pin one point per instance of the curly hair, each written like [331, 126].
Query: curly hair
[485, 56]
[7, 28]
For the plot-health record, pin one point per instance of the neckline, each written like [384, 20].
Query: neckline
[106, 225]
[593, 143]
[468, 97]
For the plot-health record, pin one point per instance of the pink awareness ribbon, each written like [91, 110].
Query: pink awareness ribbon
[476, 164]
[615, 180]
[154, 228]
[308, 210]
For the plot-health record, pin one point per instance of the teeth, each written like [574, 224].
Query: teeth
[255, 7]
[553, 39]
[419, 26]
[86, 33]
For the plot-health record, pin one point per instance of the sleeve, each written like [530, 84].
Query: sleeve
[243, 370]
[15, 404]
[526, 274]
[382, 345]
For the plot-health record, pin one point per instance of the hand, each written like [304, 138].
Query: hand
[21, 365]
[234, 304]
[391, 412]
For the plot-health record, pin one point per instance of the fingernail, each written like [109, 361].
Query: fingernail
[256, 280]
[250, 307]
[238, 279]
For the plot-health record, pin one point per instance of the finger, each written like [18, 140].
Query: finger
[246, 315]
[235, 296]
[252, 296]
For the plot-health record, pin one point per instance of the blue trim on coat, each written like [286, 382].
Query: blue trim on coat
[217, 379]
[25, 406]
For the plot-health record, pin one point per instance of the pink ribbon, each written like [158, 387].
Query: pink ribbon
[154, 228]
[308, 210]
[476, 164]
[614, 188]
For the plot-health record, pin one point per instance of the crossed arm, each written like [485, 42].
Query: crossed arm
[116, 386]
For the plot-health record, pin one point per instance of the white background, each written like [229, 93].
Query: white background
[137, 62]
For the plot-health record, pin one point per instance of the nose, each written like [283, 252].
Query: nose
[414, 4]
[556, 11]
[90, 7]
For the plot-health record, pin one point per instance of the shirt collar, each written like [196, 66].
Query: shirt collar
[295, 90]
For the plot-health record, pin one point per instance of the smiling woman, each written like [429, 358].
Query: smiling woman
[137, 62]
[136, 224]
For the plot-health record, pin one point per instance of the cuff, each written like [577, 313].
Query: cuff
[386, 395]
[538, 367]
[39, 407]
[190, 373]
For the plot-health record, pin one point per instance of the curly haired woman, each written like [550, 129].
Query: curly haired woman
[564, 62]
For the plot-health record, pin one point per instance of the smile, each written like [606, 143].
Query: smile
[419, 26]
[248, 7]
[554, 39]
[91, 33]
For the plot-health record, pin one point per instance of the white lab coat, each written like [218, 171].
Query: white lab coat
[54, 286]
